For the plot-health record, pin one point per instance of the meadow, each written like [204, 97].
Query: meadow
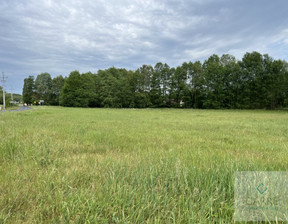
[76, 165]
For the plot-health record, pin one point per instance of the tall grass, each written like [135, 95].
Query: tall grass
[68, 165]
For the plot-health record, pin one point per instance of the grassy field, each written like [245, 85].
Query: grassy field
[68, 165]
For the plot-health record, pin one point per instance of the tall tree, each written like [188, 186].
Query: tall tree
[155, 91]
[178, 86]
[57, 84]
[144, 77]
[213, 76]
[141, 97]
[253, 71]
[161, 83]
[110, 87]
[43, 85]
[87, 91]
[230, 80]
[274, 83]
[28, 90]
[197, 84]
[147, 72]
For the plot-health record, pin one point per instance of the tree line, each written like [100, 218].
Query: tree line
[255, 82]
[8, 97]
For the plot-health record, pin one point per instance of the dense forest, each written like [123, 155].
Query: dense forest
[255, 82]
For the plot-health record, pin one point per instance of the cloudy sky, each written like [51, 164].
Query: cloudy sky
[59, 36]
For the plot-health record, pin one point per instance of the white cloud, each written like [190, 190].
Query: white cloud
[281, 37]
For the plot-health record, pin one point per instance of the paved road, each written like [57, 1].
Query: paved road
[21, 108]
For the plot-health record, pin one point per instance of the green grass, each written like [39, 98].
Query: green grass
[68, 165]
[15, 107]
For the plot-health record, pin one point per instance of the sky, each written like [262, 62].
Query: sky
[60, 36]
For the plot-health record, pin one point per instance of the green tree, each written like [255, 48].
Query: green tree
[78, 90]
[230, 80]
[274, 82]
[28, 90]
[197, 84]
[141, 98]
[252, 73]
[57, 84]
[43, 85]
[144, 82]
[155, 93]
[285, 104]
[109, 88]
[146, 72]
[178, 87]
[161, 84]
[87, 89]
[214, 86]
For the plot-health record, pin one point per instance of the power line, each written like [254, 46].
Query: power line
[11, 93]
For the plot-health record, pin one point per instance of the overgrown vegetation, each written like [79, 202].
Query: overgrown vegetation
[76, 165]
[257, 81]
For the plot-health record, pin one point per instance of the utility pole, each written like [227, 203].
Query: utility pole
[11, 94]
[3, 81]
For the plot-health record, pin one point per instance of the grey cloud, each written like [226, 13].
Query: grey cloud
[61, 36]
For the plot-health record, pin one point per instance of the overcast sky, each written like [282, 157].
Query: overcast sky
[59, 36]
